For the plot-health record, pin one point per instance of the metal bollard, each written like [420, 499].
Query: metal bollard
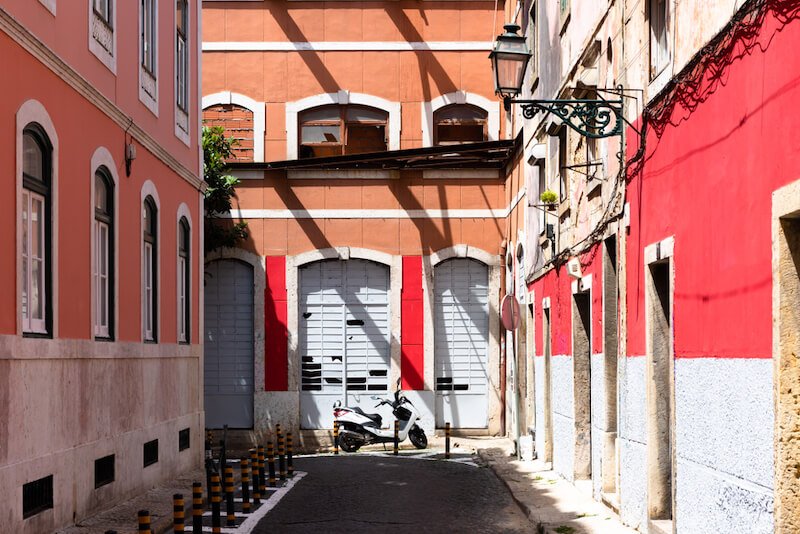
[336, 437]
[262, 480]
[216, 498]
[244, 464]
[231, 514]
[289, 463]
[271, 462]
[178, 513]
[447, 441]
[144, 522]
[396, 437]
[281, 458]
[256, 478]
[197, 508]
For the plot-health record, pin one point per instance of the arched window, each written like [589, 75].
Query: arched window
[36, 231]
[237, 121]
[150, 270]
[460, 123]
[184, 286]
[335, 130]
[103, 272]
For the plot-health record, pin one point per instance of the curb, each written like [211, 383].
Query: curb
[532, 517]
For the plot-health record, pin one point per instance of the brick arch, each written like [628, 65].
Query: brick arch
[228, 98]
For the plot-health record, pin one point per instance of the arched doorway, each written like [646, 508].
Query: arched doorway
[229, 356]
[461, 346]
[344, 330]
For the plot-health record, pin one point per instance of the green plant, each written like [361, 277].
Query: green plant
[564, 529]
[548, 197]
[219, 231]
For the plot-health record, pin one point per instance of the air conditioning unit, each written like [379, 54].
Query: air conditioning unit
[574, 268]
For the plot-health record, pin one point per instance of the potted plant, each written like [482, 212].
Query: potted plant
[549, 199]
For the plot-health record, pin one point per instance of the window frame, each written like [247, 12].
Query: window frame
[107, 218]
[152, 52]
[342, 122]
[184, 281]
[484, 123]
[108, 18]
[532, 33]
[41, 188]
[659, 64]
[182, 57]
[150, 241]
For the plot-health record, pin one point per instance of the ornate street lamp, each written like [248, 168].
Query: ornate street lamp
[591, 118]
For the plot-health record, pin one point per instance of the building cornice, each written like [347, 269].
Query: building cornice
[31, 44]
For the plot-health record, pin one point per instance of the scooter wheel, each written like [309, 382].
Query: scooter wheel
[418, 438]
[348, 444]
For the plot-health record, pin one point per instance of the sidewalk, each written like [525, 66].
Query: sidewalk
[554, 505]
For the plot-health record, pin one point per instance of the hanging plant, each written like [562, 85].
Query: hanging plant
[548, 197]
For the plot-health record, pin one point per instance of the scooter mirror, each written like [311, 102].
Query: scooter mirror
[374, 397]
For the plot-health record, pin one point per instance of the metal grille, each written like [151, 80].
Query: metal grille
[344, 312]
[150, 452]
[183, 439]
[37, 496]
[104, 471]
[461, 324]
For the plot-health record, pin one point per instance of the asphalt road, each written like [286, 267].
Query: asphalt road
[360, 493]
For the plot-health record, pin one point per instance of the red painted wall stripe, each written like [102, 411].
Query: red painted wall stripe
[412, 358]
[276, 334]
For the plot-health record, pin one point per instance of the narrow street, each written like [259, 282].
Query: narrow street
[362, 493]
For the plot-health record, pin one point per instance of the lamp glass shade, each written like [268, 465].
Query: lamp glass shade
[509, 60]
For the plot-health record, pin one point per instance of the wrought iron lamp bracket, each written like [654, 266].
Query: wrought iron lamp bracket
[596, 119]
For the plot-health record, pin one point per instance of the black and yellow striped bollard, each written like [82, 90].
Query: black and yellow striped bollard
[144, 522]
[231, 513]
[271, 469]
[447, 441]
[271, 464]
[178, 513]
[396, 437]
[245, 465]
[289, 463]
[256, 477]
[216, 498]
[336, 437]
[281, 458]
[262, 479]
[197, 508]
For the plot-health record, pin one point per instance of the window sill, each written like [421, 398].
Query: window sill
[563, 209]
[38, 335]
[104, 339]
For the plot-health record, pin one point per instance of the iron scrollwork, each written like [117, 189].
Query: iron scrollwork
[592, 118]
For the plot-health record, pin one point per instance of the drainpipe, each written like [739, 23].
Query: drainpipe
[501, 339]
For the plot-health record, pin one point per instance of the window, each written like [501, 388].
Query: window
[103, 254]
[37, 496]
[150, 270]
[103, 471]
[182, 55]
[148, 23]
[184, 272]
[183, 439]
[533, 43]
[563, 12]
[563, 185]
[335, 130]
[521, 286]
[102, 8]
[238, 123]
[36, 231]
[659, 44]
[457, 124]
[150, 453]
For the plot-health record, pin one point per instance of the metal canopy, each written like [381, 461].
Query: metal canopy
[484, 155]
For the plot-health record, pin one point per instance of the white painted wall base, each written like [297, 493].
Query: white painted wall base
[563, 417]
[633, 440]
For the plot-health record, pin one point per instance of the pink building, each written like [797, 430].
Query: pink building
[101, 210]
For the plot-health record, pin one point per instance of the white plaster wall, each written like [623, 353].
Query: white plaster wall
[563, 417]
[633, 441]
[538, 377]
[723, 439]
[598, 422]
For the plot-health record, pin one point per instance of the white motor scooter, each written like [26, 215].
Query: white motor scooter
[357, 428]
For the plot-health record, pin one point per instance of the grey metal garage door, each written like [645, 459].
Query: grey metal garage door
[461, 330]
[228, 366]
[344, 337]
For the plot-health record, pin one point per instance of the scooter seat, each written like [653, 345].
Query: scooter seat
[376, 417]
